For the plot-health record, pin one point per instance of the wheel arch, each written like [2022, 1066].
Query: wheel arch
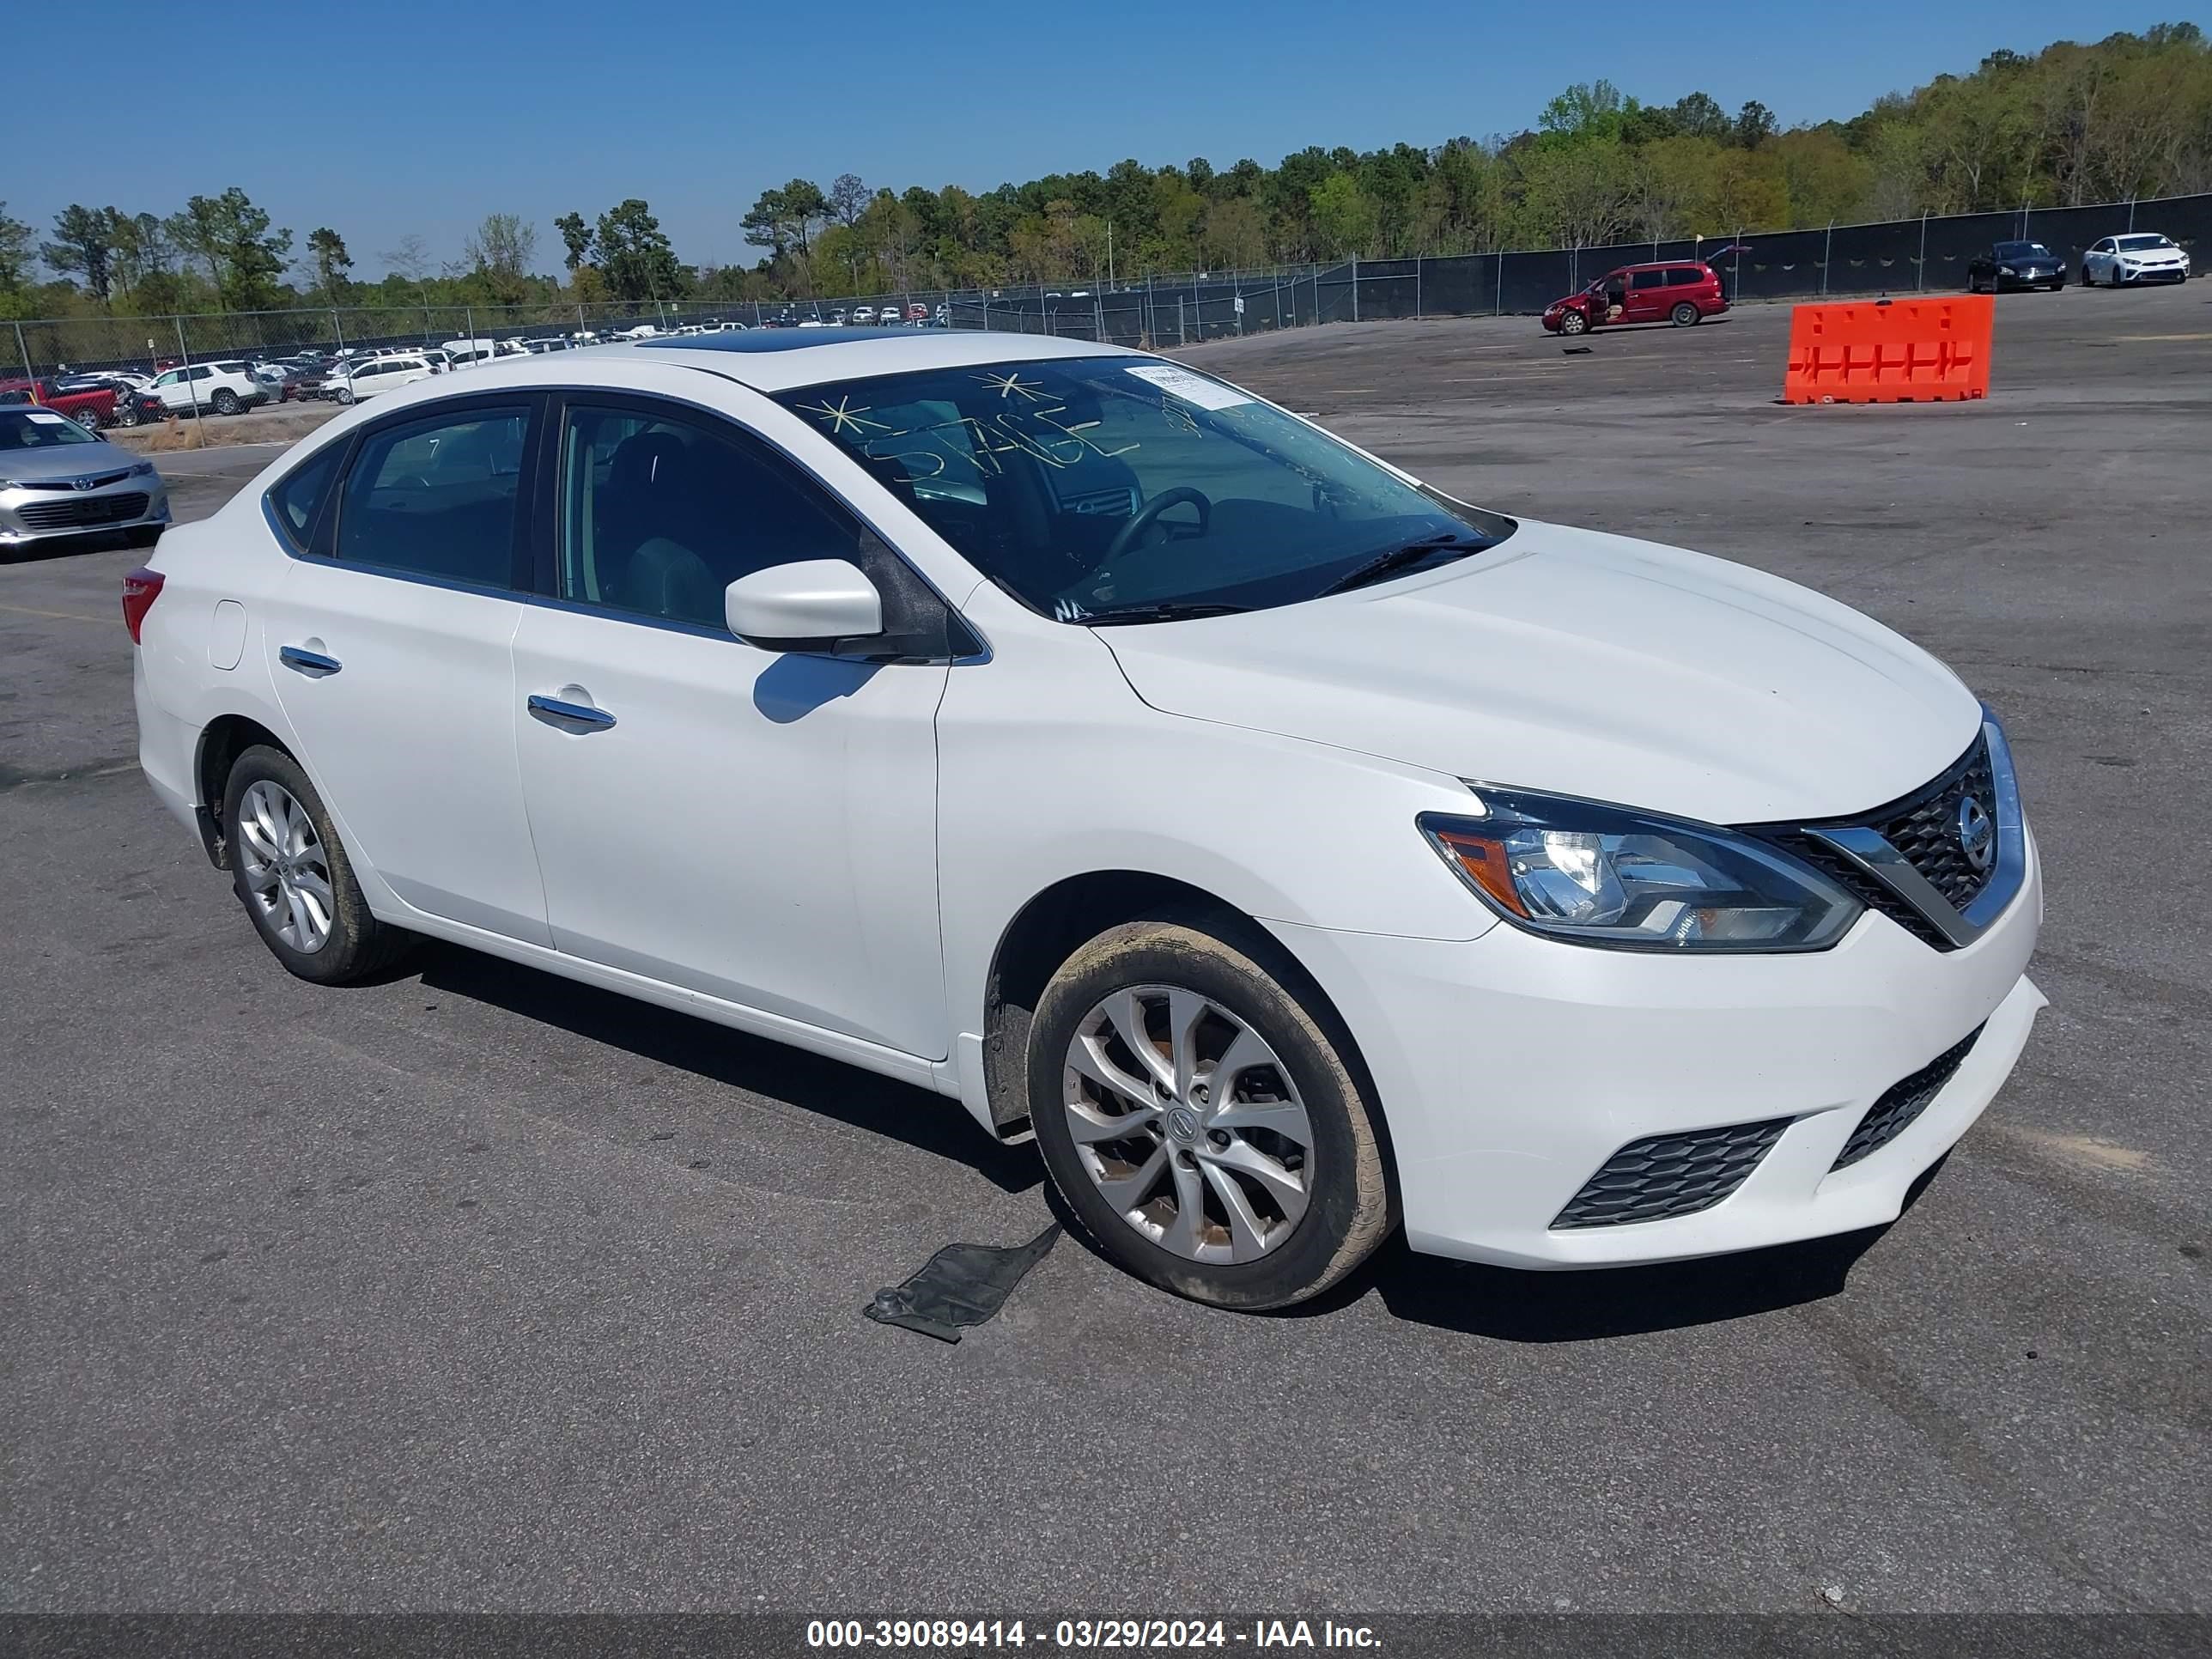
[1054, 923]
[222, 740]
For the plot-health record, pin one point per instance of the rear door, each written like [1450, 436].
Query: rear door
[1648, 299]
[390, 647]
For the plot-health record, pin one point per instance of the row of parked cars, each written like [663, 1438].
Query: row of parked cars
[1687, 291]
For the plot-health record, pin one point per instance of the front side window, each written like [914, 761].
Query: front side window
[1091, 486]
[437, 497]
[1647, 279]
[660, 512]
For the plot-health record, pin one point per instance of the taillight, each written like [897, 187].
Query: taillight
[140, 589]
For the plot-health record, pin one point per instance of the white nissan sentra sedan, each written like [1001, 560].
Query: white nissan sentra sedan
[1298, 852]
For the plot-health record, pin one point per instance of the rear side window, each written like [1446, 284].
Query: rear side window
[1685, 277]
[438, 496]
[298, 497]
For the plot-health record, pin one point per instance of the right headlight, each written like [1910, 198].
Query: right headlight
[1624, 880]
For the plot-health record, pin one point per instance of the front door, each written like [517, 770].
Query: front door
[755, 825]
[390, 643]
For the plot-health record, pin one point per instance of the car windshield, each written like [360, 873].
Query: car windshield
[2022, 251]
[39, 429]
[1092, 488]
[2141, 243]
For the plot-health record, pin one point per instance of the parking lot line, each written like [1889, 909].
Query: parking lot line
[57, 616]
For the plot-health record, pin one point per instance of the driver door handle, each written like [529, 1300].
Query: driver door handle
[571, 713]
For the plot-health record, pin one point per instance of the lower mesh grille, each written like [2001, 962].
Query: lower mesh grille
[1904, 1101]
[1666, 1175]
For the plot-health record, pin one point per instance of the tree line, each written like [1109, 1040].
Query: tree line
[2130, 116]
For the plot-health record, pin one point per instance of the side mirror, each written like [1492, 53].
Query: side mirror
[809, 606]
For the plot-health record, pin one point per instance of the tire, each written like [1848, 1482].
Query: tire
[1317, 1153]
[345, 394]
[225, 401]
[127, 414]
[88, 418]
[1574, 323]
[293, 850]
[1684, 315]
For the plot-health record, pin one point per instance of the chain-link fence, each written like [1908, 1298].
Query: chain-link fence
[1924, 255]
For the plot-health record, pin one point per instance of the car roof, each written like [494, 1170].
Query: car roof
[774, 359]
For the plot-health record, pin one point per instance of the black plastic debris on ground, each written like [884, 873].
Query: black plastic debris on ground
[961, 1285]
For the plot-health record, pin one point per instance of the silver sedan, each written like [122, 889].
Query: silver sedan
[57, 480]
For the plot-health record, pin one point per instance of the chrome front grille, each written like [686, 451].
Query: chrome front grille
[1943, 862]
[82, 513]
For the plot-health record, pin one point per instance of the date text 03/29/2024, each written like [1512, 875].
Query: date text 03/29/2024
[1123, 1634]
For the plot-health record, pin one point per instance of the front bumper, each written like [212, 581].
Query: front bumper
[2132, 274]
[28, 516]
[1511, 1068]
[2034, 278]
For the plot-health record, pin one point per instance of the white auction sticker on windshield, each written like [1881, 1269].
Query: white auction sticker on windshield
[47, 417]
[1191, 388]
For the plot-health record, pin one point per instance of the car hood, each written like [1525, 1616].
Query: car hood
[1587, 665]
[2153, 256]
[91, 460]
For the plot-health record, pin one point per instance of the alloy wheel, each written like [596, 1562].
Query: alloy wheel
[287, 873]
[1188, 1124]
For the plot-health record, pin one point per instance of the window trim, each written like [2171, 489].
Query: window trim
[966, 643]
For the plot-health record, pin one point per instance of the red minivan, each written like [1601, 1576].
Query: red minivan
[1680, 292]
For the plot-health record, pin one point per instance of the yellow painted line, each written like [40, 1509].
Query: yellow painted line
[57, 616]
[2148, 338]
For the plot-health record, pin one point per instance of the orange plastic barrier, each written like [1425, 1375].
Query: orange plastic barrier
[1904, 352]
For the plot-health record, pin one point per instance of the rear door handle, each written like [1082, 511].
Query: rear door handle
[574, 714]
[305, 661]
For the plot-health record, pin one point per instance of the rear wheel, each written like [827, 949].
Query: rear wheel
[225, 401]
[126, 415]
[1202, 1120]
[88, 419]
[1685, 315]
[292, 874]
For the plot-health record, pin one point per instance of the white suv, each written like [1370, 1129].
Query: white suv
[1298, 852]
[354, 382]
[225, 388]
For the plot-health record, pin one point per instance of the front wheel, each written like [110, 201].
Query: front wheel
[1203, 1120]
[1573, 322]
[292, 874]
[1685, 315]
[345, 394]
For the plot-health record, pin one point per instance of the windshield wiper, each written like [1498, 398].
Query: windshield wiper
[1390, 561]
[1166, 611]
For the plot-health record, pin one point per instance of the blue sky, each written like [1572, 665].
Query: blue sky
[485, 105]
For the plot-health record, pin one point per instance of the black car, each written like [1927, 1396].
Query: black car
[2014, 264]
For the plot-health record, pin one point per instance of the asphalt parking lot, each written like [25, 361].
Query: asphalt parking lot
[477, 1289]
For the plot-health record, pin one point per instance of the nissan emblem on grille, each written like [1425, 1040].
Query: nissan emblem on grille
[1978, 833]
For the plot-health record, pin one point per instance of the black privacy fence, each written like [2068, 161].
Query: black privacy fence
[1905, 256]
